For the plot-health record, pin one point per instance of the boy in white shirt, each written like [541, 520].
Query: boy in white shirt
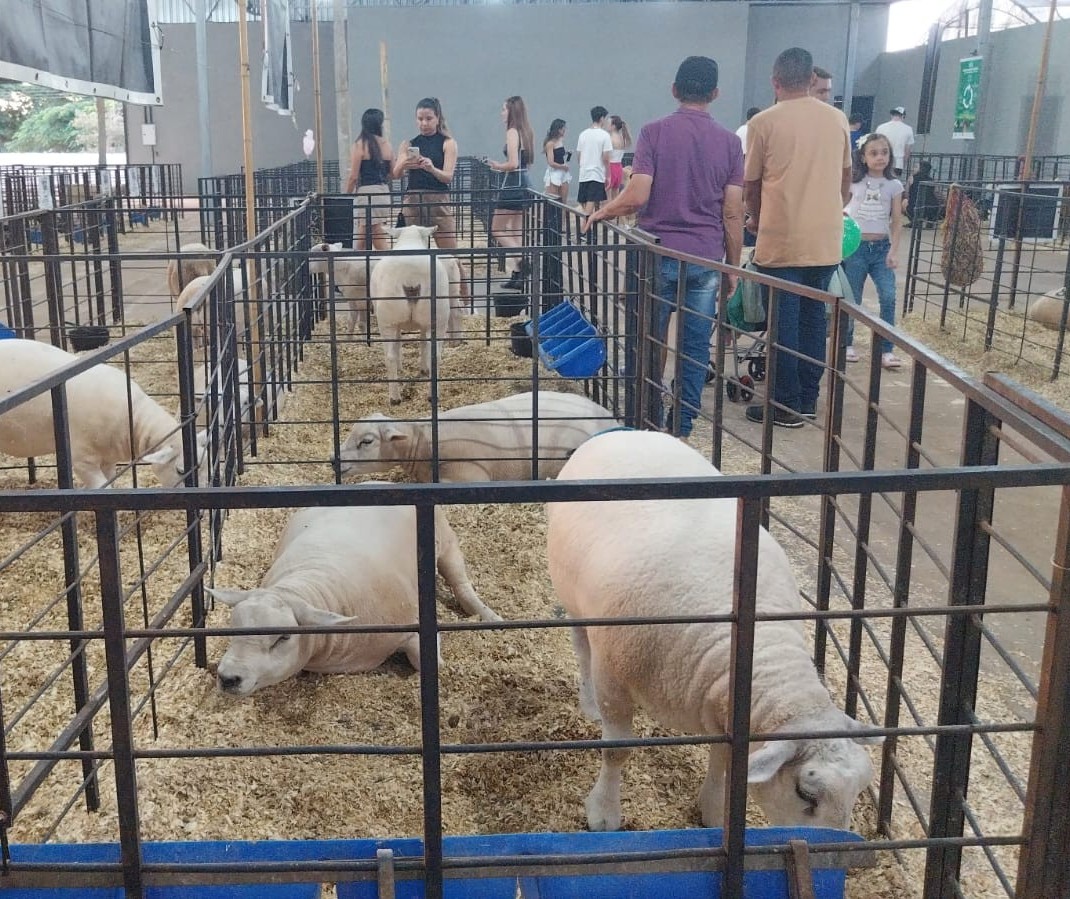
[593, 147]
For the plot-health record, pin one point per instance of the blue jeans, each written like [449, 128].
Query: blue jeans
[694, 329]
[871, 259]
[800, 327]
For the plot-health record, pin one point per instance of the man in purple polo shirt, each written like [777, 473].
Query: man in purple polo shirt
[687, 180]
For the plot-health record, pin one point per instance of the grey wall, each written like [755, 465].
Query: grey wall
[276, 140]
[821, 29]
[1009, 88]
[562, 59]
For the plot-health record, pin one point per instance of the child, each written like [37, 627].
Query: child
[875, 204]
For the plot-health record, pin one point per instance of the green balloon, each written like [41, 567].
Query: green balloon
[852, 236]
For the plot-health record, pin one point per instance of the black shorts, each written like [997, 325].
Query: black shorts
[591, 192]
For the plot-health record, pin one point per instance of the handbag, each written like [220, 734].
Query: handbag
[513, 188]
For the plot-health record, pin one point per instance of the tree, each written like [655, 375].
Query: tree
[49, 130]
[15, 106]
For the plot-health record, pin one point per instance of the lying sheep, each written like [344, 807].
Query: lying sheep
[401, 294]
[350, 279]
[181, 271]
[485, 442]
[97, 418]
[346, 565]
[650, 558]
[1048, 310]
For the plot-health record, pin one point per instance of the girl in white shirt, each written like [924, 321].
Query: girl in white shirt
[875, 205]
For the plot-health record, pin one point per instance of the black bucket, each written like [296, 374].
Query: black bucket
[507, 305]
[88, 337]
[519, 342]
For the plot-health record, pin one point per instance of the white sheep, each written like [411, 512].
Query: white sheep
[344, 565]
[1048, 309]
[181, 271]
[648, 558]
[98, 420]
[484, 442]
[350, 279]
[401, 294]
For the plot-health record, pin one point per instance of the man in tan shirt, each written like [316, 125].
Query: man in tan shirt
[797, 179]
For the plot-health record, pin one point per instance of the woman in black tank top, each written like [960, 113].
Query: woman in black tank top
[369, 173]
[428, 161]
[507, 226]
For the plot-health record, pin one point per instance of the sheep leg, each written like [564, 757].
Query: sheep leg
[425, 355]
[588, 700]
[392, 351]
[711, 796]
[451, 567]
[92, 474]
[603, 802]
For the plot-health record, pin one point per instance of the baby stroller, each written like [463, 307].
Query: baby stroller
[745, 343]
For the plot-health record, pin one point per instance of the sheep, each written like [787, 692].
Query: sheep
[485, 442]
[401, 295]
[350, 279]
[1048, 309]
[347, 566]
[98, 419]
[181, 271]
[649, 558]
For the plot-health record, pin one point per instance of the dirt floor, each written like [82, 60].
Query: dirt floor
[507, 685]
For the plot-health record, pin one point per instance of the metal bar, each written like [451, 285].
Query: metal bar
[962, 656]
[901, 599]
[384, 859]
[111, 594]
[862, 531]
[800, 875]
[429, 699]
[1044, 862]
[744, 602]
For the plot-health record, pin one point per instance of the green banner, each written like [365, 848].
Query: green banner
[967, 97]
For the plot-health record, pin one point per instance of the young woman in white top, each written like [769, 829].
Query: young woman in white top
[621, 139]
[507, 225]
[557, 176]
[875, 205]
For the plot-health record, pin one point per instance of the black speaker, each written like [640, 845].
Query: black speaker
[338, 220]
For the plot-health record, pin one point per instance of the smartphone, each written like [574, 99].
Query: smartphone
[414, 152]
[568, 156]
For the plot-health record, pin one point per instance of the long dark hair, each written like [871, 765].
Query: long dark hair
[859, 167]
[371, 129]
[518, 119]
[555, 129]
[433, 104]
[622, 127]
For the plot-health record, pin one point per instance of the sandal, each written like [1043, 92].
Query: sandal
[851, 355]
[891, 361]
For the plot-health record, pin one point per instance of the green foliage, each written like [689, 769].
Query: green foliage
[50, 130]
[15, 106]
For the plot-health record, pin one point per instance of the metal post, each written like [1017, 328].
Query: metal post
[204, 107]
[111, 594]
[1044, 863]
[429, 700]
[317, 101]
[341, 91]
[962, 658]
[850, 60]
[744, 601]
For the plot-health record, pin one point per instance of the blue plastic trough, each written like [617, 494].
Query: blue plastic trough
[568, 343]
[828, 882]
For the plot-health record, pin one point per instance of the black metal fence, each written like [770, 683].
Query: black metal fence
[901, 504]
[972, 167]
[1013, 308]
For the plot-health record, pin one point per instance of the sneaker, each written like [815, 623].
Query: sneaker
[851, 355]
[809, 414]
[891, 361]
[515, 282]
[781, 418]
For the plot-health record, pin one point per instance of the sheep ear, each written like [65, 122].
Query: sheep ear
[390, 433]
[765, 763]
[863, 736]
[226, 597]
[310, 616]
[161, 456]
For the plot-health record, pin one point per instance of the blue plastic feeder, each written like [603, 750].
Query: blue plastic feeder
[829, 882]
[568, 343]
[6, 333]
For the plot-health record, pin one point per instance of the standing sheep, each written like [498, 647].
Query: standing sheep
[649, 558]
[99, 424]
[401, 293]
[350, 279]
[346, 565]
[181, 271]
[490, 441]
